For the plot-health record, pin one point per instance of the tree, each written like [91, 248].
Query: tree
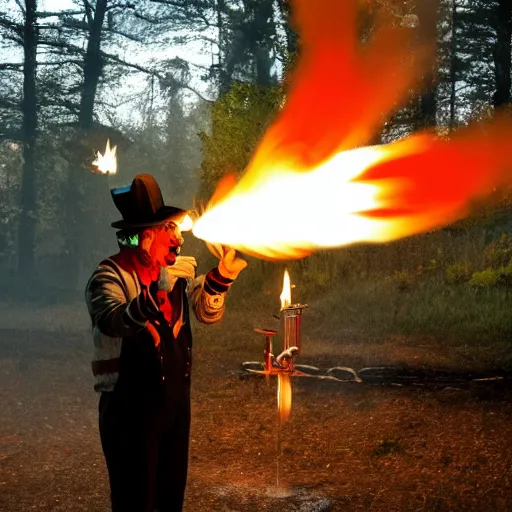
[81, 187]
[168, 147]
[428, 34]
[241, 34]
[474, 53]
[75, 56]
[286, 22]
[24, 34]
[502, 52]
[27, 223]
[238, 121]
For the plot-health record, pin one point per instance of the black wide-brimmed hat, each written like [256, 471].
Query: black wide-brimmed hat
[142, 205]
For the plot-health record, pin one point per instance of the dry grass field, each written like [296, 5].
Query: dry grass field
[346, 447]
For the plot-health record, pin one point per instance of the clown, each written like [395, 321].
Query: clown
[138, 301]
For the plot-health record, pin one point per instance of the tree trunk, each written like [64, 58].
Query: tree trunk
[92, 67]
[502, 50]
[264, 29]
[453, 66]
[427, 33]
[428, 106]
[291, 35]
[28, 218]
[83, 186]
[224, 76]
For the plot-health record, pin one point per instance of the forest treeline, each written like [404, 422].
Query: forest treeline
[92, 70]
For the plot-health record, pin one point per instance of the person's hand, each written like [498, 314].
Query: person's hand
[185, 266]
[230, 264]
[144, 307]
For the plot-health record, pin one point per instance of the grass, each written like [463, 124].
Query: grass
[406, 298]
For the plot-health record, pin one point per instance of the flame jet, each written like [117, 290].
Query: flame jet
[314, 182]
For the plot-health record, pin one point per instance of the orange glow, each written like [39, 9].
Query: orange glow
[314, 182]
[106, 163]
[284, 396]
[286, 294]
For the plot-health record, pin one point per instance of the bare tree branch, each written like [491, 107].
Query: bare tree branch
[61, 62]
[115, 58]
[11, 65]
[196, 92]
[198, 4]
[62, 45]
[7, 23]
[20, 5]
[14, 38]
[88, 11]
[124, 34]
[69, 105]
[199, 7]
[151, 72]
[58, 14]
[129, 5]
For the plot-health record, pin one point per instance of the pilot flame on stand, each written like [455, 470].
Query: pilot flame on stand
[283, 365]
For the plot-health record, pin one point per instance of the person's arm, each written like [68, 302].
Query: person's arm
[111, 311]
[208, 292]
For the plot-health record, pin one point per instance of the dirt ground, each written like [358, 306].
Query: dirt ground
[346, 447]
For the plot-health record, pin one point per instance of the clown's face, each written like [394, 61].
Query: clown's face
[161, 245]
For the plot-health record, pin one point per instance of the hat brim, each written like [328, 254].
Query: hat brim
[166, 214]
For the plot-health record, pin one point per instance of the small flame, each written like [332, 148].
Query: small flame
[286, 294]
[106, 163]
[284, 397]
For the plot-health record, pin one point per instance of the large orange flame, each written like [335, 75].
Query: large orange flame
[311, 185]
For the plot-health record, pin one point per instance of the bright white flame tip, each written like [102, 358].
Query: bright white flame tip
[186, 223]
[106, 163]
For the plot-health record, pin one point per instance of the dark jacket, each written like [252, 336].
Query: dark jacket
[145, 353]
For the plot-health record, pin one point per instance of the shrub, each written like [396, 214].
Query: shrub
[238, 121]
[487, 278]
[432, 264]
[457, 273]
[499, 252]
[404, 280]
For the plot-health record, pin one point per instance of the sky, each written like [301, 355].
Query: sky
[133, 82]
